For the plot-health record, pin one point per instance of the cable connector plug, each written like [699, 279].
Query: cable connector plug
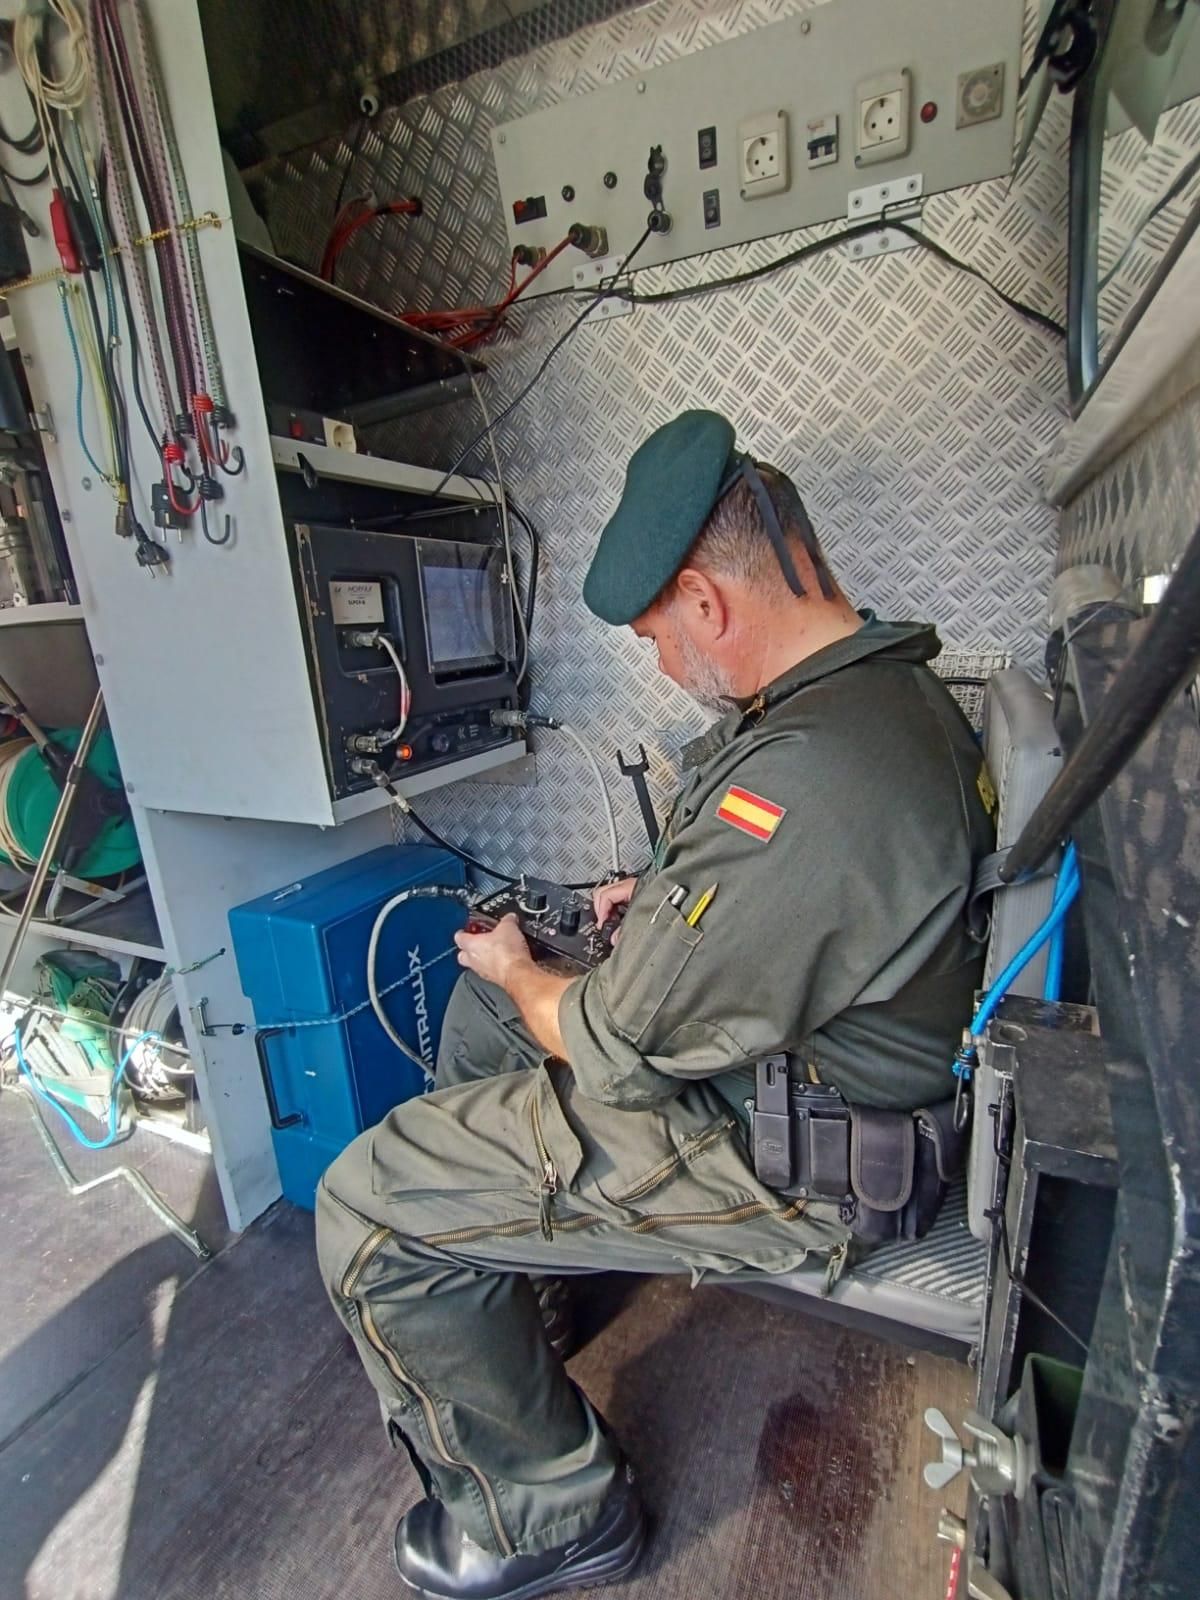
[165, 515]
[966, 1059]
[504, 718]
[151, 555]
[372, 743]
[363, 767]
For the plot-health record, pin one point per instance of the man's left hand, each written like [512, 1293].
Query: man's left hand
[495, 955]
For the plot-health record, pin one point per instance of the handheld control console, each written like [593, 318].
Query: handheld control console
[559, 924]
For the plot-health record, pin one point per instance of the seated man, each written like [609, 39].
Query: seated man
[808, 895]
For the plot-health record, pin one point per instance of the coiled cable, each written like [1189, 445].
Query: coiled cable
[156, 1064]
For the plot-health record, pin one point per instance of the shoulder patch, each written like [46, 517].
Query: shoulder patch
[751, 813]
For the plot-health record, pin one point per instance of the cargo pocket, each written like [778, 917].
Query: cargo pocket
[655, 961]
[679, 1161]
[629, 1160]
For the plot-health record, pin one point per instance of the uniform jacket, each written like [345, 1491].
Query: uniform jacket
[840, 815]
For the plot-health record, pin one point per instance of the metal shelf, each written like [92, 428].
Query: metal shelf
[129, 929]
[48, 611]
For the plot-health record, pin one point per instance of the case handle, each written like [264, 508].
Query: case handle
[261, 1036]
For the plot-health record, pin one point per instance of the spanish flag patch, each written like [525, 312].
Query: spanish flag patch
[751, 813]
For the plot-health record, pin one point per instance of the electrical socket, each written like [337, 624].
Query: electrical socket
[763, 155]
[884, 117]
[881, 119]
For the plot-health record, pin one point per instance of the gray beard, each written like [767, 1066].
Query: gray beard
[708, 684]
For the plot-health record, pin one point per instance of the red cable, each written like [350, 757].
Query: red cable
[340, 237]
[456, 316]
[550, 255]
[465, 340]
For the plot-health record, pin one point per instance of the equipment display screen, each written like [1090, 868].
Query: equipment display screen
[464, 607]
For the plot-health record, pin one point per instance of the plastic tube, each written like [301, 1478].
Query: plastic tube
[423, 892]
[405, 692]
[51, 1100]
[614, 846]
[1052, 985]
[1063, 900]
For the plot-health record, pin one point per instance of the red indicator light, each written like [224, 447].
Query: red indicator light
[929, 111]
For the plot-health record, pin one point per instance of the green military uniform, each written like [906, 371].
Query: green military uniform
[839, 816]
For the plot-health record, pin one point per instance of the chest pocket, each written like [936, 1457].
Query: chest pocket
[657, 954]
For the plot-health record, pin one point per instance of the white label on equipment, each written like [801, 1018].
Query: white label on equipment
[355, 603]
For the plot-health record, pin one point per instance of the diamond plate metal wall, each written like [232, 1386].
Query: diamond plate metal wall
[280, 68]
[911, 406]
[1139, 513]
[1134, 233]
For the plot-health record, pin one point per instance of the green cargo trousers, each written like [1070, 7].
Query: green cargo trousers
[428, 1225]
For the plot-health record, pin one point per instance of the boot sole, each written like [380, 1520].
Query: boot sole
[613, 1566]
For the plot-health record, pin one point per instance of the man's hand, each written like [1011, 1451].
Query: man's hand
[608, 898]
[502, 957]
[496, 956]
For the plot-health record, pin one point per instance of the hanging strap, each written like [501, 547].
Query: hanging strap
[745, 467]
[985, 882]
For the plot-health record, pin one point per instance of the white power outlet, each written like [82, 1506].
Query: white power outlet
[763, 155]
[881, 119]
[884, 117]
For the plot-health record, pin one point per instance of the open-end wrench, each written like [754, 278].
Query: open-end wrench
[637, 770]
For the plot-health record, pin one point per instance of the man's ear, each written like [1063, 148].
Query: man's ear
[704, 601]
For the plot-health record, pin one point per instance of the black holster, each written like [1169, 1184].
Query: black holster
[888, 1170]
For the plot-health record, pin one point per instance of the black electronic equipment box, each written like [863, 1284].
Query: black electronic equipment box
[412, 644]
[559, 923]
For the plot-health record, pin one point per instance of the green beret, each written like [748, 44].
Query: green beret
[671, 484]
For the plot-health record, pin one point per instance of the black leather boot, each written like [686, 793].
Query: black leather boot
[437, 1561]
[558, 1314]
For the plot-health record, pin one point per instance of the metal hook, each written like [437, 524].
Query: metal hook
[208, 534]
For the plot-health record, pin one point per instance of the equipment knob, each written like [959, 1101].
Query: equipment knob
[535, 901]
[568, 921]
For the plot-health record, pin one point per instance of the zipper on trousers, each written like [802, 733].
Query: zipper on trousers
[548, 1184]
[520, 1228]
[350, 1279]
[678, 1158]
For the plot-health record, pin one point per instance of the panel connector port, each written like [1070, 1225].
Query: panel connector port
[591, 240]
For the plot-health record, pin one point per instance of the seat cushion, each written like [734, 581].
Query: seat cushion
[934, 1284]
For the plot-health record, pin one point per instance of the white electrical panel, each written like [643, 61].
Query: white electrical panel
[769, 131]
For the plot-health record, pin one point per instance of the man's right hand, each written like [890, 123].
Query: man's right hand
[608, 898]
